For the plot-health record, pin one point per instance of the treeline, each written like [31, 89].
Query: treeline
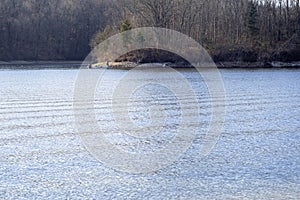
[230, 29]
[49, 29]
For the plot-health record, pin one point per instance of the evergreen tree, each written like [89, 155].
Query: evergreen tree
[124, 28]
[298, 27]
[252, 20]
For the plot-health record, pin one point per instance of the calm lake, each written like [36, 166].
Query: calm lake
[257, 156]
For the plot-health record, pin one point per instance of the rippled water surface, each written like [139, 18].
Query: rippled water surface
[257, 155]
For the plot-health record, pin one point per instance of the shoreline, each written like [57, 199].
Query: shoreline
[21, 62]
[220, 65]
[272, 64]
[15, 65]
[131, 65]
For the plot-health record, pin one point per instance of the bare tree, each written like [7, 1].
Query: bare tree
[63, 29]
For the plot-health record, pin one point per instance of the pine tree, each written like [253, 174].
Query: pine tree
[298, 25]
[124, 28]
[252, 20]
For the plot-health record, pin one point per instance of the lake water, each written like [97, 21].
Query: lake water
[256, 157]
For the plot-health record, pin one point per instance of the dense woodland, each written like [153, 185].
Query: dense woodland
[230, 29]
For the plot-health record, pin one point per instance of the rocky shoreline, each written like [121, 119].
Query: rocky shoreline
[221, 65]
[130, 65]
[274, 64]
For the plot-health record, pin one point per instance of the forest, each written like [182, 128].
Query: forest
[231, 30]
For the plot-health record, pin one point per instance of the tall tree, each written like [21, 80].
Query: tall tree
[252, 20]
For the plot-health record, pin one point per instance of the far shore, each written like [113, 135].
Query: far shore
[40, 64]
[130, 65]
[221, 65]
[22, 62]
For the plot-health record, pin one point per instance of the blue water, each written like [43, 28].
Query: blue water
[256, 157]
